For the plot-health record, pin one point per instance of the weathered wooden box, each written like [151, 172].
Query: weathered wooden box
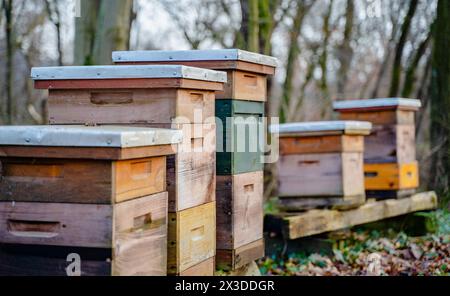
[393, 136]
[240, 218]
[247, 71]
[132, 235]
[321, 164]
[391, 168]
[192, 238]
[78, 164]
[129, 94]
[239, 137]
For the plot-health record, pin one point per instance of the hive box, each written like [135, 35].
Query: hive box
[390, 151]
[240, 218]
[393, 136]
[192, 238]
[239, 130]
[168, 96]
[247, 71]
[133, 233]
[77, 164]
[120, 207]
[321, 164]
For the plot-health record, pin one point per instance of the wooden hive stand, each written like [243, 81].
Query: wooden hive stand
[321, 164]
[97, 192]
[163, 96]
[391, 168]
[239, 106]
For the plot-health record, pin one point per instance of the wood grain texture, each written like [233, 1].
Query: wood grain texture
[129, 106]
[84, 181]
[138, 177]
[382, 117]
[395, 143]
[321, 175]
[230, 260]
[86, 152]
[320, 221]
[206, 268]
[296, 204]
[42, 180]
[56, 224]
[240, 214]
[321, 144]
[243, 85]
[134, 232]
[215, 65]
[391, 176]
[140, 237]
[128, 84]
[191, 238]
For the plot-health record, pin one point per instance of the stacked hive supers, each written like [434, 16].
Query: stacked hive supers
[239, 110]
[321, 164]
[97, 193]
[163, 96]
[391, 168]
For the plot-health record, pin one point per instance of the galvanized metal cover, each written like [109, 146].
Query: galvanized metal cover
[84, 136]
[127, 72]
[374, 103]
[194, 55]
[346, 127]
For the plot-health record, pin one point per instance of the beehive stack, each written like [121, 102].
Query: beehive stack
[321, 164]
[239, 109]
[94, 193]
[391, 167]
[170, 96]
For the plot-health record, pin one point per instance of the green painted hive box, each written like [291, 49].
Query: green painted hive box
[240, 136]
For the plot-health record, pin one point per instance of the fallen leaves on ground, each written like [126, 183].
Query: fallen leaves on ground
[400, 255]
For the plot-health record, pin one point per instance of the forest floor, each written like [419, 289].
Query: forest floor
[399, 254]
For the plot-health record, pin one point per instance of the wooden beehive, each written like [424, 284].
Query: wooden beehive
[247, 72]
[321, 164]
[176, 97]
[120, 207]
[391, 167]
[239, 111]
[95, 165]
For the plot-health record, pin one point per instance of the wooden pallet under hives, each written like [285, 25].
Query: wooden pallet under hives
[313, 222]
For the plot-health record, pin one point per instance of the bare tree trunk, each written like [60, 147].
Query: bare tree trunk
[113, 29]
[104, 26]
[8, 9]
[294, 51]
[440, 100]
[397, 67]
[345, 51]
[323, 62]
[410, 77]
[54, 15]
[253, 26]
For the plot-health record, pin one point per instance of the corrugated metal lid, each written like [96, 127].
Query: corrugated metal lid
[85, 136]
[194, 55]
[127, 72]
[377, 103]
[346, 127]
